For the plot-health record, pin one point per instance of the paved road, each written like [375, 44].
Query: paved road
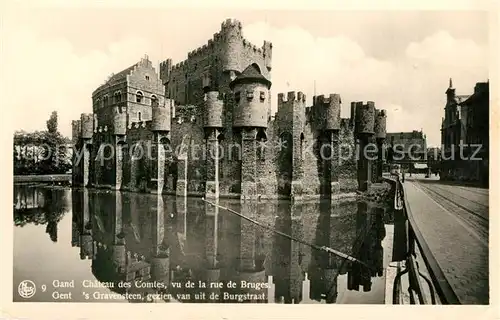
[454, 221]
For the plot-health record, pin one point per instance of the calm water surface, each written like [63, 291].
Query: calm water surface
[86, 245]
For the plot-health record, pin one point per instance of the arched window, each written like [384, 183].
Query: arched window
[154, 101]
[118, 96]
[139, 96]
[139, 116]
[105, 101]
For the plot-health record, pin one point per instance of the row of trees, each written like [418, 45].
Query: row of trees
[42, 152]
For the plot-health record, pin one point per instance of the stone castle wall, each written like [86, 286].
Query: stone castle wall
[288, 150]
[262, 155]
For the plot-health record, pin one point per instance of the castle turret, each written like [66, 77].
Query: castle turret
[161, 125]
[212, 122]
[212, 113]
[364, 130]
[365, 119]
[380, 124]
[75, 139]
[291, 118]
[161, 117]
[251, 92]
[327, 111]
[87, 123]
[332, 112]
[250, 116]
[380, 135]
[87, 131]
[119, 122]
[232, 45]
[119, 131]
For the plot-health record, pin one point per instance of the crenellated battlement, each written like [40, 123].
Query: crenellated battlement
[202, 51]
[291, 96]
[165, 70]
[331, 99]
[180, 66]
[291, 110]
[230, 37]
[248, 45]
[365, 118]
[230, 24]
[326, 111]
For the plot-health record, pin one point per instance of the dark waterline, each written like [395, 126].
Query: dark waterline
[95, 236]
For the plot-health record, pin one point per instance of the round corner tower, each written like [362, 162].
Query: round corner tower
[365, 118]
[365, 130]
[212, 113]
[250, 117]
[380, 124]
[251, 94]
[161, 117]
[333, 113]
[380, 129]
[119, 122]
[87, 125]
[232, 45]
[213, 126]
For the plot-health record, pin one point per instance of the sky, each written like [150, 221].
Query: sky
[401, 60]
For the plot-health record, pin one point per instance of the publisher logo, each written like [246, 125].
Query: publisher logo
[26, 289]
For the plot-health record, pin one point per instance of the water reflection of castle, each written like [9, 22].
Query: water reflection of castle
[160, 241]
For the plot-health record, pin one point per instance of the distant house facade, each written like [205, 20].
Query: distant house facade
[409, 149]
[465, 135]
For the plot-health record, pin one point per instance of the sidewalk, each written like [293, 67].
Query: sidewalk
[462, 258]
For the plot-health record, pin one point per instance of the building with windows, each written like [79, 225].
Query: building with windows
[409, 149]
[465, 135]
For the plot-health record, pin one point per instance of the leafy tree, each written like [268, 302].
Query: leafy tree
[41, 152]
[52, 123]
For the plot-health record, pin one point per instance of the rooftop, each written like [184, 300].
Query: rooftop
[252, 73]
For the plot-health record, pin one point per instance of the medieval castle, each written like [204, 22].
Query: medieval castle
[204, 127]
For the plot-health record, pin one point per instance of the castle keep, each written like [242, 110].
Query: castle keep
[205, 127]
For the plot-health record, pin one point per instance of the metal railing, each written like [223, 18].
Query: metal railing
[436, 282]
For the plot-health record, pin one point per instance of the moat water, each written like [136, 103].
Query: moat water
[87, 245]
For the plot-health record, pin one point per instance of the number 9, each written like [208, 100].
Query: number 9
[44, 288]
